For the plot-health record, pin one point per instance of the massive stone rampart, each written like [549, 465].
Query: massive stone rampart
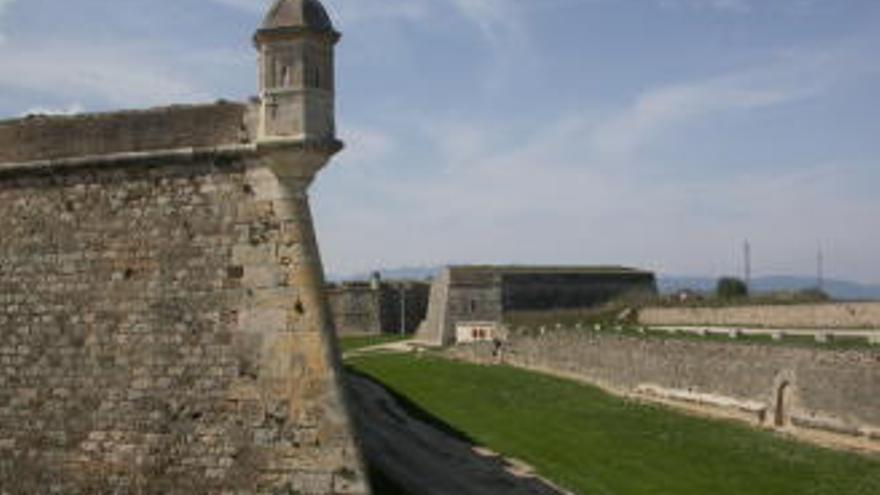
[799, 389]
[163, 321]
[822, 316]
[163, 327]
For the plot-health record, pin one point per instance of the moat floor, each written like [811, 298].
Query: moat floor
[422, 458]
[579, 437]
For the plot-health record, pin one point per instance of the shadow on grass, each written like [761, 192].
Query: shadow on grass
[411, 452]
[412, 409]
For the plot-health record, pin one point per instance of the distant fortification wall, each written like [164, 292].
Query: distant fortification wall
[359, 308]
[356, 309]
[550, 291]
[814, 391]
[162, 323]
[827, 316]
[464, 295]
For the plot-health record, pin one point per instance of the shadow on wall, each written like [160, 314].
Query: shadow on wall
[780, 417]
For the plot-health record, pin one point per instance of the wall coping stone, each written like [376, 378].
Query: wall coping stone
[189, 154]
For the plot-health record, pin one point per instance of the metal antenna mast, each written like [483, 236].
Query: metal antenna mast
[747, 253]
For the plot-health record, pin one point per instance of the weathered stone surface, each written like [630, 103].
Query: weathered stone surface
[827, 315]
[183, 126]
[362, 308]
[140, 352]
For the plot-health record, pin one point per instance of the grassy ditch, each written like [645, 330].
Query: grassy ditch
[595, 443]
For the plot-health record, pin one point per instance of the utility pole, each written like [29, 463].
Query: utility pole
[402, 289]
[820, 268]
[747, 254]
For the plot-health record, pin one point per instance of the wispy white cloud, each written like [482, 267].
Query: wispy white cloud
[119, 75]
[501, 21]
[536, 199]
[365, 146]
[4, 4]
[742, 6]
[787, 78]
[733, 6]
[349, 12]
[71, 109]
[507, 195]
[250, 5]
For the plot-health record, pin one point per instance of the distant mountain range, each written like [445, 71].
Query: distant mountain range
[402, 273]
[837, 289]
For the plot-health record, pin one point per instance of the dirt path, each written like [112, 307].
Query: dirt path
[425, 460]
[401, 346]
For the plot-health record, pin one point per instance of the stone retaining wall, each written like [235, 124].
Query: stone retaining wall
[831, 315]
[775, 386]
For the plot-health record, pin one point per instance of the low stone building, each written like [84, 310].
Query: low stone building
[374, 307]
[468, 303]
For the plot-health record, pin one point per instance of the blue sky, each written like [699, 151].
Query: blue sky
[655, 133]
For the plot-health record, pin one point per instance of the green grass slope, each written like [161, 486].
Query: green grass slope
[595, 443]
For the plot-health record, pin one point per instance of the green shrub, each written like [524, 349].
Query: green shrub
[731, 288]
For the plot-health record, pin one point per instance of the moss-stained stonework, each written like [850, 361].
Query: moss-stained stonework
[153, 335]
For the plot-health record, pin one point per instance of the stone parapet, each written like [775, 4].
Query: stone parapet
[45, 138]
[820, 316]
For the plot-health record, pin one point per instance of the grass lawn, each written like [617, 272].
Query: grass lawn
[594, 443]
[359, 342]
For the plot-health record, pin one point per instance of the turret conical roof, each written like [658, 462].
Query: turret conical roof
[297, 14]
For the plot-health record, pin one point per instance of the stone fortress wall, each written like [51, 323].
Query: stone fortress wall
[163, 321]
[376, 307]
[830, 395]
[465, 294]
[815, 316]
[405, 306]
[154, 329]
[356, 309]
